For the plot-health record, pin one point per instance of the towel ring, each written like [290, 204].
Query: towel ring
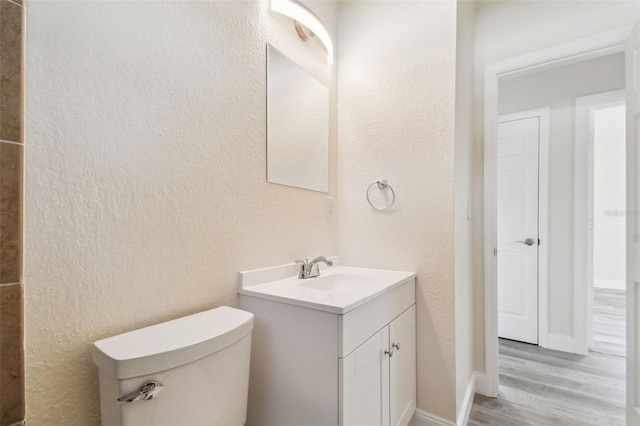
[382, 184]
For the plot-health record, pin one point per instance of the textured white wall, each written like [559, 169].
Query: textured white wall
[463, 232]
[558, 88]
[506, 29]
[145, 177]
[396, 112]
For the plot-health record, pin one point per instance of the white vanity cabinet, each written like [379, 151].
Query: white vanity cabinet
[314, 366]
[378, 379]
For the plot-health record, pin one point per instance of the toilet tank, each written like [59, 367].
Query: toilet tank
[200, 364]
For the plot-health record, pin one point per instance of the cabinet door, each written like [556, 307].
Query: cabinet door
[402, 338]
[365, 383]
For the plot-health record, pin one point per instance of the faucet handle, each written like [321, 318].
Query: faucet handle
[304, 265]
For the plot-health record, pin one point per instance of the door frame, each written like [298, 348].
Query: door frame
[632, 86]
[583, 202]
[576, 51]
[543, 115]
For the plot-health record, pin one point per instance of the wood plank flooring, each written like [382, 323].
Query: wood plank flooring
[609, 333]
[544, 387]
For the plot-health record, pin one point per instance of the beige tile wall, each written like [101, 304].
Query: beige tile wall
[11, 174]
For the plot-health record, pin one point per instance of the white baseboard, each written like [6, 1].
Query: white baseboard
[467, 402]
[422, 418]
[481, 384]
[610, 284]
[564, 343]
[476, 384]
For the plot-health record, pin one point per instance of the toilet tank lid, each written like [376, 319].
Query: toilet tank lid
[170, 344]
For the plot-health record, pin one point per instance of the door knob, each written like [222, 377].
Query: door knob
[528, 241]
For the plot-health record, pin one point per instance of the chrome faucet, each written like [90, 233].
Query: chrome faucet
[307, 267]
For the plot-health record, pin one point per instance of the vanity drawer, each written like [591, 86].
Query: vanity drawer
[356, 326]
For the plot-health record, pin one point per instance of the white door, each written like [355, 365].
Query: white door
[632, 59]
[365, 381]
[517, 251]
[402, 375]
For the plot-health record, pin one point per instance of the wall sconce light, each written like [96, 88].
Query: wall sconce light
[302, 15]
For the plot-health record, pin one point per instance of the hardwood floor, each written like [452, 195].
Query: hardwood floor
[609, 333]
[544, 387]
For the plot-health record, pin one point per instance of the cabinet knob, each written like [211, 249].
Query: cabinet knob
[395, 345]
[390, 353]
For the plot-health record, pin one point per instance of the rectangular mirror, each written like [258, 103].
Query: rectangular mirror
[297, 125]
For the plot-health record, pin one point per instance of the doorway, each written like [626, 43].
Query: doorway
[559, 335]
[607, 227]
[524, 255]
[599, 217]
[525, 365]
[564, 330]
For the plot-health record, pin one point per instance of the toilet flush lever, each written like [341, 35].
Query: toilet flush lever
[148, 391]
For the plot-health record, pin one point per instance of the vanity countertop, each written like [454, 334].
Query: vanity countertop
[338, 289]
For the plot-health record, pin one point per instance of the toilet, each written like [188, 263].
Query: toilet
[190, 371]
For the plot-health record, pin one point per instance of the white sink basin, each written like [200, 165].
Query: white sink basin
[338, 289]
[336, 282]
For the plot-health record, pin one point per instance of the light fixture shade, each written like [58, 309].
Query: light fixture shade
[298, 12]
